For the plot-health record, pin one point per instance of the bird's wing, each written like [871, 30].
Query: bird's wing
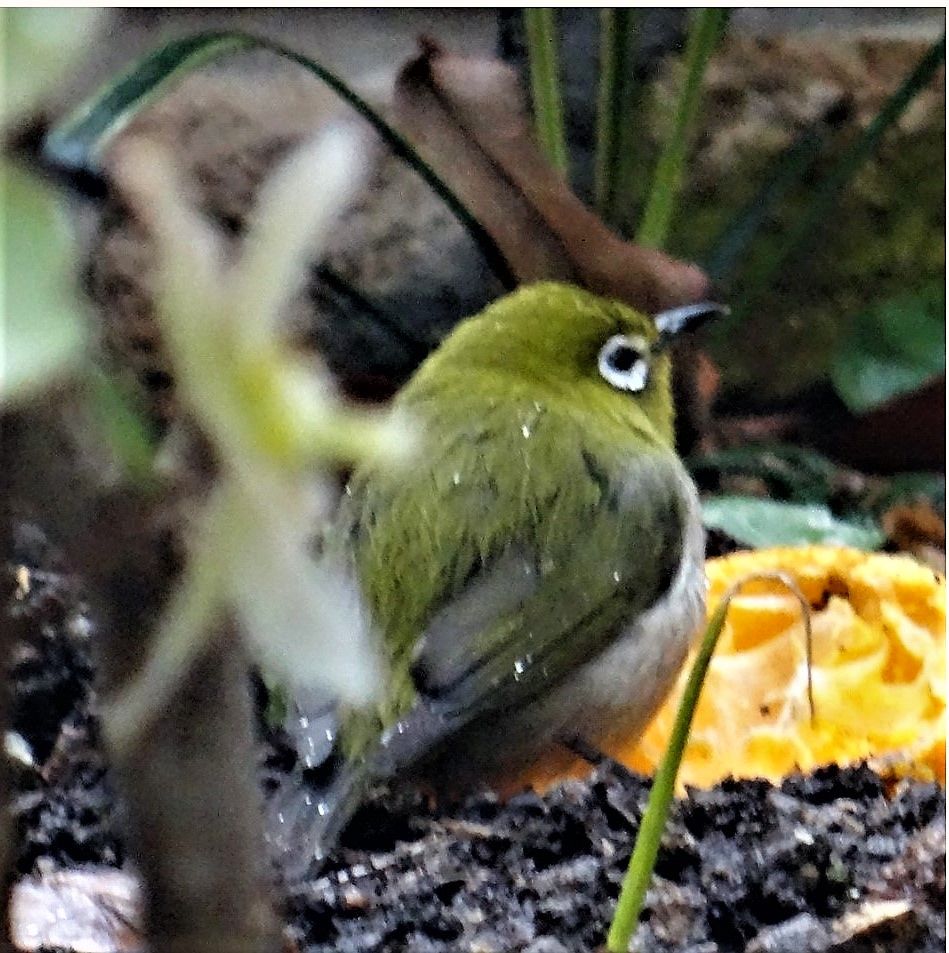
[533, 595]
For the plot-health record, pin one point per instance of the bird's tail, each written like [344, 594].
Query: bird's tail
[312, 805]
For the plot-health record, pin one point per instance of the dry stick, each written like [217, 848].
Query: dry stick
[193, 805]
[643, 860]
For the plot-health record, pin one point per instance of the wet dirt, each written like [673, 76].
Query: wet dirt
[839, 860]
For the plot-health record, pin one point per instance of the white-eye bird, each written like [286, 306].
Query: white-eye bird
[537, 572]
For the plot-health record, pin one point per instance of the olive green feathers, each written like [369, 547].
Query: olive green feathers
[537, 569]
[530, 464]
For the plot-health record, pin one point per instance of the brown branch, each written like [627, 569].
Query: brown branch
[194, 820]
[467, 118]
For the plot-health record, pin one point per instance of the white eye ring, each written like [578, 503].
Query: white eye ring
[623, 364]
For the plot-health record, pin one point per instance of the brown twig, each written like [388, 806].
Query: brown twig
[194, 824]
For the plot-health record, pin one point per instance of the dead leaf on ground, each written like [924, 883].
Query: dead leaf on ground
[467, 117]
[918, 529]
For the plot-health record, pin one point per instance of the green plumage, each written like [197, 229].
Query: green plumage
[535, 571]
[541, 516]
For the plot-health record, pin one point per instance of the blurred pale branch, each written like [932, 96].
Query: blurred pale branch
[272, 420]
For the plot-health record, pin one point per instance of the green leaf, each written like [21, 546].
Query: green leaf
[76, 146]
[892, 349]
[757, 522]
[43, 331]
[615, 108]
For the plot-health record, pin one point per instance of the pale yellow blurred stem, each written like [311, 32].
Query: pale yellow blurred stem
[294, 212]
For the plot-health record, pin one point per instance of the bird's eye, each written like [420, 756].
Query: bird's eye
[623, 362]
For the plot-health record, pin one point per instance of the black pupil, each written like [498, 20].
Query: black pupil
[623, 358]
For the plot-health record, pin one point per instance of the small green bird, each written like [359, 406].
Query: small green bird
[539, 572]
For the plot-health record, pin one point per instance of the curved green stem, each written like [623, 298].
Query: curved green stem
[643, 860]
[76, 146]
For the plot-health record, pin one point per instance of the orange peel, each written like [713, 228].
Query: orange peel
[879, 675]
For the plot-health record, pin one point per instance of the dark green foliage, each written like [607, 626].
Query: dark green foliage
[791, 473]
[892, 349]
[825, 235]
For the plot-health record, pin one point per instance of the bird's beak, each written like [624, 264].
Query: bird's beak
[670, 324]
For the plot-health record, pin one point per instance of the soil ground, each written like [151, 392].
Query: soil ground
[837, 861]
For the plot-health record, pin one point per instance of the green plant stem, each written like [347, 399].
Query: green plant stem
[75, 147]
[639, 872]
[124, 425]
[846, 167]
[643, 860]
[705, 29]
[614, 111]
[415, 345]
[539, 23]
[788, 170]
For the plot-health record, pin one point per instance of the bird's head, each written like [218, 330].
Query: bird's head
[601, 355]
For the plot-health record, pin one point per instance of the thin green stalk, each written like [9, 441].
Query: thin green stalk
[418, 347]
[614, 110]
[706, 27]
[848, 165]
[641, 864]
[731, 248]
[643, 860]
[539, 23]
[124, 425]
